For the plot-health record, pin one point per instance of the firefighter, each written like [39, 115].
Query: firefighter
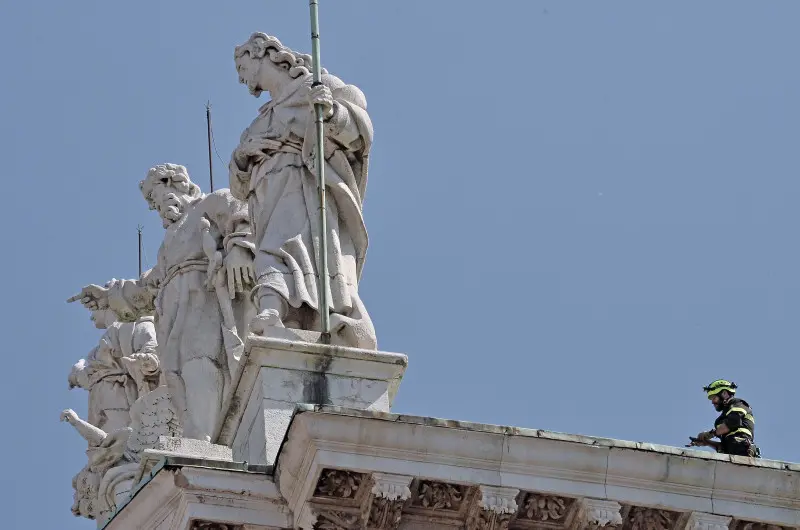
[735, 425]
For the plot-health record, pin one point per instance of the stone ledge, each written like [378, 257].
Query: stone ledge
[183, 489]
[592, 441]
[462, 453]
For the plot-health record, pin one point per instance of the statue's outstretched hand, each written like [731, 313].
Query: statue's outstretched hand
[93, 297]
[239, 270]
[69, 416]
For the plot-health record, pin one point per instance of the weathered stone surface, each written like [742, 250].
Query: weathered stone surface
[277, 374]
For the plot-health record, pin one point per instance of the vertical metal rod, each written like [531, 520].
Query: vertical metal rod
[324, 279]
[208, 128]
[139, 230]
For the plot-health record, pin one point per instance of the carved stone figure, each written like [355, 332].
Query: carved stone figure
[122, 367]
[274, 169]
[194, 344]
[104, 372]
[114, 456]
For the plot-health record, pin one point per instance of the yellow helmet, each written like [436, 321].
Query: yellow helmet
[718, 386]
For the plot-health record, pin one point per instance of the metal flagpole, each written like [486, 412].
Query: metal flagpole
[208, 129]
[139, 229]
[322, 284]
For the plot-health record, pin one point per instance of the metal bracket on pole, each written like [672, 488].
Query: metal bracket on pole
[139, 230]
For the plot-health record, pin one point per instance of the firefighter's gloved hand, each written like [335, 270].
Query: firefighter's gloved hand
[705, 436]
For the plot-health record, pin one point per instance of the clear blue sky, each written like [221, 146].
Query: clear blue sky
[580, 213]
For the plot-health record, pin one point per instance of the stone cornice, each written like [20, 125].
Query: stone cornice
[180, 494]
[683, 481]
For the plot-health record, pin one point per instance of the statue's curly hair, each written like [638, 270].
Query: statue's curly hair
[261, 45]
[173, 175]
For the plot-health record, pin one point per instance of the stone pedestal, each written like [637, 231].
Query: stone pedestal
[291, 367]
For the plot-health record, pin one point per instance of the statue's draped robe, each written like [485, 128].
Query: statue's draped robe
[281, 185]
[188, 318]
[111, 389]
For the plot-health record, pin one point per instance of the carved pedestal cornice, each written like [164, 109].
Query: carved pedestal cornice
[600, 514]
[495, 509]
[346, 500]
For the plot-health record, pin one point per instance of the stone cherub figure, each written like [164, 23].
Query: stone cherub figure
[273, 168]
[193, 340]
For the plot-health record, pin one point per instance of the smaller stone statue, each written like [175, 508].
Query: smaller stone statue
[119, 370]
[108, 372]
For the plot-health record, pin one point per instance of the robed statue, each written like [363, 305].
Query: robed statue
[197, 292]
[273, 168]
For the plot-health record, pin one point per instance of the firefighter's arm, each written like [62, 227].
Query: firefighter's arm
[733, 421]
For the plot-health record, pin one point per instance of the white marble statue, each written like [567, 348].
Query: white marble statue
[107, 372]
[273, 168]
[119, 370]
[195, 346]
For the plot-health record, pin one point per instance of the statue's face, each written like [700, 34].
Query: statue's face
[102, 318]
[249, 69]
[169, 202]
[261, 75]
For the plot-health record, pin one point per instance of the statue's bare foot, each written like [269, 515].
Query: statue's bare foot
[265, 319]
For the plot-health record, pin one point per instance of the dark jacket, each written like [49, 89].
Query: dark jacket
[738, 416]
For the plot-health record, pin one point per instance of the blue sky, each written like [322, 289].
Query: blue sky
[580, 213]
